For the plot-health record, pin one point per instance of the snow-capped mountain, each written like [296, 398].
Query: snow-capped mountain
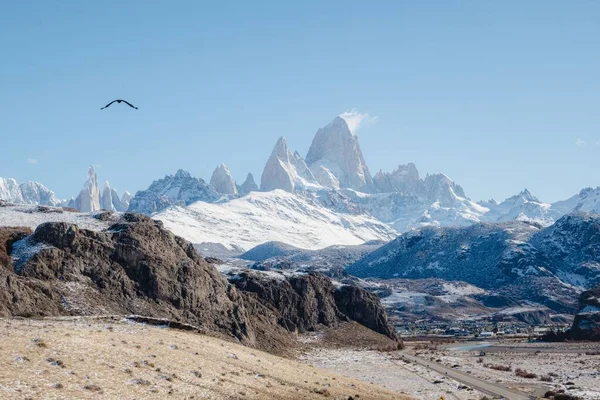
[415, 202]
[110, 199]
[179, 189]
[522, 207]
[27, 193]
[248, 186]
[517, 260]
[286, 170]
[404, 179]
[91, 199]
[88, 199]
[222, 181]
[336, 159]
[587, 200]
[276, 215]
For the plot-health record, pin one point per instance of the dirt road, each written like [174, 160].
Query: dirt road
[490, 388]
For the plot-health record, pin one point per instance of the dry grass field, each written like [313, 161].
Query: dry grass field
[95, 358]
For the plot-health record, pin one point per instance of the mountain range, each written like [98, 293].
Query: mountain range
[332, 181]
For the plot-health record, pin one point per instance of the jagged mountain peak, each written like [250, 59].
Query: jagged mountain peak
[178, 189]
[89, 199]
[182, 174]
[222, 180]
[335, 149]
[248, 186]
[286, 170]
[525, 194]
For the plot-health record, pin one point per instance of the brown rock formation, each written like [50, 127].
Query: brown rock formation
[138, 267]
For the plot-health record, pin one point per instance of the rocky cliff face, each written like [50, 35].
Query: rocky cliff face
[586, 325]
[222, 181]
[136, 267]
[303, 302]
[179, 189]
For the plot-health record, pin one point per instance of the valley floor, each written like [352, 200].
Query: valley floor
[567, 364]
[386, 370]
[572, 367]
[75, 358]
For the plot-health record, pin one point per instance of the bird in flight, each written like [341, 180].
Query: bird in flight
[119, 101]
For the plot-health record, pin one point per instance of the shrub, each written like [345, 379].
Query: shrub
[565, 396]
[498, 367]
[525, 374]
[546, 378]
[40, 343]
[93, 388]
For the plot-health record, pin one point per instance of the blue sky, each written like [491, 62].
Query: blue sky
[498, 95]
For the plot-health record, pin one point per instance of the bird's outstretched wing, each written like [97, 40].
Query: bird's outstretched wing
[129, 104]
[107, 105]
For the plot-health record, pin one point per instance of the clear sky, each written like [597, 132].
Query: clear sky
[498, 95]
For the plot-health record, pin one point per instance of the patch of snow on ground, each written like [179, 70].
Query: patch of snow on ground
[29, 216]
[23, 250]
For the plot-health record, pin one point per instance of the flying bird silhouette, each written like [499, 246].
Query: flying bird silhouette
[119, 101]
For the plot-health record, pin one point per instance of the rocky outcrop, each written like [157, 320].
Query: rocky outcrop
[138, 267]
[222, 180]
[248, 186]
[586, 325]
[303, 302]
[336, 150]
[179, 189]
[363, 307]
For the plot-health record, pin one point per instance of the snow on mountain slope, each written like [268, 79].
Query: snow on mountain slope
[522, 207]
[31, 216]
[27, 193]
[277, 215]
[180, 189]
[409, 211]
[587, 200]
[518, 260]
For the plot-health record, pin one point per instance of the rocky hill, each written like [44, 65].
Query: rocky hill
[138, 267]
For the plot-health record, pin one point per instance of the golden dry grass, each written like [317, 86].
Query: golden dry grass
[91, 358]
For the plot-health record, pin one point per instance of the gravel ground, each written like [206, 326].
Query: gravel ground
[387, 371]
